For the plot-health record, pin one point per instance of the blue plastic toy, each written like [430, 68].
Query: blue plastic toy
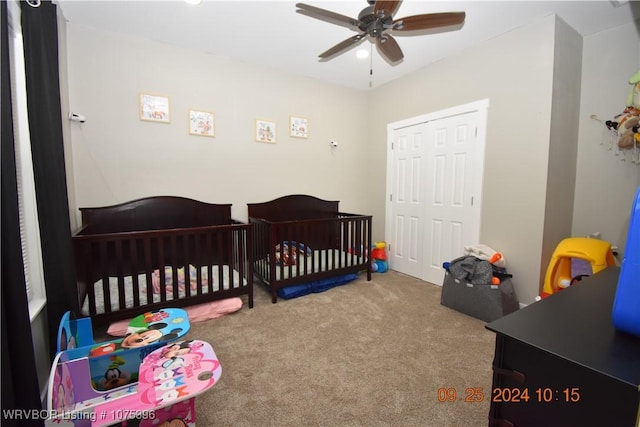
[626, 305]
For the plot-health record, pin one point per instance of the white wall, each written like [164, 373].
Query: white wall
[605, 184]
[117, 157]
[515, 72]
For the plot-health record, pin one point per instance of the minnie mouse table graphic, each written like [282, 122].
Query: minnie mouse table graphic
[169, 379]
[115, 363]
[170, 375]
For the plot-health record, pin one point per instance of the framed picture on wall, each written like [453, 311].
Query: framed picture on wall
[265, 131]
[154, 108]
[202, 123]
[298, 127]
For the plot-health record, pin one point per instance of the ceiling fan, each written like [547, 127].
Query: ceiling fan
[377, 21]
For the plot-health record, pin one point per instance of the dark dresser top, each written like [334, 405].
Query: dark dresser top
[576, 324]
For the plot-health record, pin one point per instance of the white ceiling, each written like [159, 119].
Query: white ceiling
[272, 34]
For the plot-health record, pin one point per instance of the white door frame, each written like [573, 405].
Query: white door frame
[481, 107]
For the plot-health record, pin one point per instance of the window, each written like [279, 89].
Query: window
[29, 229]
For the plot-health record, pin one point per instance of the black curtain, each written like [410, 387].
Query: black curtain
[40, 38]
[19, 378]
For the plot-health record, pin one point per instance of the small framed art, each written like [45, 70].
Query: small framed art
[265, 131]
[298, 127]
[202, 123]
[154, 108]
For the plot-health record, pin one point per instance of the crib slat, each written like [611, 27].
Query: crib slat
[175, 267]
[119, 260]
[148, 268]
[228, 261]
[91, 292]
[209, 252]
[218, 255]
[200, 249]
[238, 261]
[305, 240]
[247, 255]
[197, 239]
[133, 248]
[105, 275]
[357, 231]
[163, 278]
[187, 264]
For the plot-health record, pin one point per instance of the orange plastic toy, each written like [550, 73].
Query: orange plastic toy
[560, 273]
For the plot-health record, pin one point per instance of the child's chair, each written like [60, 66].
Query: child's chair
[574, 258]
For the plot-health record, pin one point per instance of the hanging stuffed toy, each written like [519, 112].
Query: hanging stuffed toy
[625, 122]
[630, 118]
[633, 100]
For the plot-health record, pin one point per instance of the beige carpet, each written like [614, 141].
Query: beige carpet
[363, 354]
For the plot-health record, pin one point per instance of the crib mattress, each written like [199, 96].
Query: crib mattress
[144, 296]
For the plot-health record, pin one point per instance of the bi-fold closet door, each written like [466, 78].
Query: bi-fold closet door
[434, 186]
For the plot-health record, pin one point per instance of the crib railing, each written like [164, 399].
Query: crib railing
[331, 246]
[102, 257]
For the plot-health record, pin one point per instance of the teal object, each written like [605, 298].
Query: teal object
[626, 305]
[382, 266]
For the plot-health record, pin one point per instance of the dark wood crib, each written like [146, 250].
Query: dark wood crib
[324, 241]
[161, 251]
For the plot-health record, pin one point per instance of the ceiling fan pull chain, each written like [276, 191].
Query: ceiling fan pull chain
[371, 59]
[371, 65]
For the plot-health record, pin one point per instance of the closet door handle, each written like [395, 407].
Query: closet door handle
[511, 373]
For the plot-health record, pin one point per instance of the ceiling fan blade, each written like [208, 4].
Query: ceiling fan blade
[391, 6]
[427, 21]
[326, 15]
[343, 46]
[388, 47]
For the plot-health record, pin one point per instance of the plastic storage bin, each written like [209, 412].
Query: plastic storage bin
[484, 302]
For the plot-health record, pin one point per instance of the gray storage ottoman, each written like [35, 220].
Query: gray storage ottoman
[484, 302]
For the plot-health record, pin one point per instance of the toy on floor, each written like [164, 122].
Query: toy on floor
[484, 252]
[574, 258]
[379, 262]
[317, 286]
[115, 363]
[196, 312]
[626, 316]
[170, 378]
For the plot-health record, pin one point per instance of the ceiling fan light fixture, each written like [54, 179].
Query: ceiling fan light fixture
[362, 54]
[376, 20]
